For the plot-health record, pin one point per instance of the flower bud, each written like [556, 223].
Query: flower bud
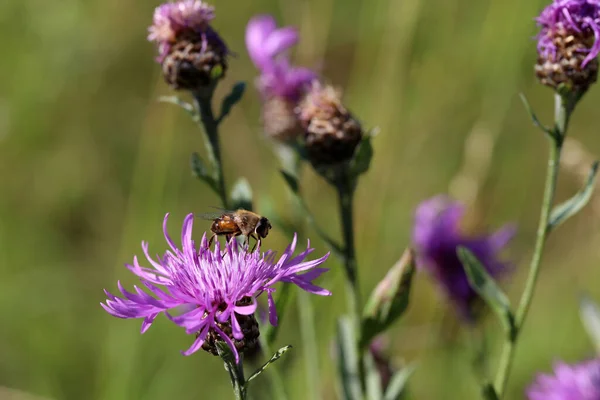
[331, 133]
[567, 45]
[191, 52]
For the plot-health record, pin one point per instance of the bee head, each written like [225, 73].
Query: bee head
[262, 228]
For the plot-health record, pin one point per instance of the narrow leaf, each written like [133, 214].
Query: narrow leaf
[200, 171]
[398, 382]
[389, 300]
[273, 358]
[291, 181]
[237, 91]
[488, 392]
[590, 315]
[178, 102]
[225, 353]
[373, 378]
[487, 288]
[535, 119]
[563, 211]
[241, 194]
[348, 360]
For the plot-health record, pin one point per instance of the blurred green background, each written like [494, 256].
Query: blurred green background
[90, 162]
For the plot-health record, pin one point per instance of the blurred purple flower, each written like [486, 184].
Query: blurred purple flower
[569, 382]
[578, 17]
[173, 20]
[214, 287]
[437, 236]
[267, 48]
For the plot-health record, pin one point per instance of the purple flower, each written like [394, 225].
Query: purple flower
[578, 17]
[172, 20]
[214, 288]
[437, 236]
[267, 48]
[569, 382]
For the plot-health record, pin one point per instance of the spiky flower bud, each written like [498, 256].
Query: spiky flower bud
[191, 52]
[331, 132]
[568, 45]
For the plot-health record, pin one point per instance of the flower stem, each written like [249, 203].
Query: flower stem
[236, 374]
[345, 188]
[211, 139]
[562, 111]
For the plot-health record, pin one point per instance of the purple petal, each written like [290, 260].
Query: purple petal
[257, 31]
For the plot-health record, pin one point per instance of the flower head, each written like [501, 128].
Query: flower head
[191, 52]
[568, 43]
[216, 289]
[437, 235]
[267, 46]
[331, 131]
[569, 382]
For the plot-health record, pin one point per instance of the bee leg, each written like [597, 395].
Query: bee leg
[255, 243]
[212, 239]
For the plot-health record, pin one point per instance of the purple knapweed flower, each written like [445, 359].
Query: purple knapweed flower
[437, 235]
[190, 51]
[569, 382]
[173, 19]
[267, 46]
[216, 289]
[568, 43]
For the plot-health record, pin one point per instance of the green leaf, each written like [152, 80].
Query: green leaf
[398, 382]
[273, 358]
[200, 171]
[241, 195]
[563, 211]
[237, 91]
[590, 316]
[550, 132]
[487, 288]
[363, 156]
[389, 300]
[488, 392]
[178, 102]
[291, 181]
[225, 352]
[348, 360]
[373, 378]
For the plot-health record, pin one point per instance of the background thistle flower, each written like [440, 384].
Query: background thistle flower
[569, 382]
[436, 235]
[280, 83]
[568, 44]
[330, 130]
[191, 52]
[217, 289]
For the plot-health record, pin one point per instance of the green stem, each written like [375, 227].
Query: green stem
[345, 189]
[211, 139]
[236, 374]
[562, 111]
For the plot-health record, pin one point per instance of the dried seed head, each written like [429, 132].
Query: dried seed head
[566, 66]
[195, 61]
[249, 327]
[331, 132]
[279, 119]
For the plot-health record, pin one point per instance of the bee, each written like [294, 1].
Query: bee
[239, 222]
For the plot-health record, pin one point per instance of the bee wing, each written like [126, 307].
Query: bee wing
[209, 215]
